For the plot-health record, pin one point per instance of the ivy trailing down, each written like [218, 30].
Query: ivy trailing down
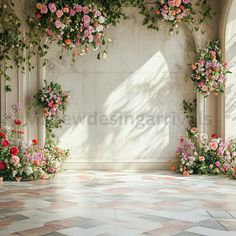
[11, 43]
[189, 109]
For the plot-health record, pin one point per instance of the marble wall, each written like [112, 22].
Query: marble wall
[127, 108]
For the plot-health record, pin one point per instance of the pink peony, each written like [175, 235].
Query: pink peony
[58, 24]
[15, 160]
[44, 9]
[59, 13]
[52, 7]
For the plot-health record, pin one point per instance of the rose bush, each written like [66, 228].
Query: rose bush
[199, 155]
[20, 160]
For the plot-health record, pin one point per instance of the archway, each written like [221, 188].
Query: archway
[227, 106]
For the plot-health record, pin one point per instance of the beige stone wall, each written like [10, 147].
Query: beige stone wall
[143, 76]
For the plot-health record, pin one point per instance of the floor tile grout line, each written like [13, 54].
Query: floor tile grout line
[230, 214]
[216, 221]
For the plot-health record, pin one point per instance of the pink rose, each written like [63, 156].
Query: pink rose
[15, 160]
[44, 9]
[177, 3]
[52, 7]
[86, 33]
[97, 13]
[72, 12]
[186, 1]
[201, 158]
[86, 19]
[201, 84]
[78, 8]
[86, 10]
[48, 31]
[194, 130]
[217, 163]
[50, 104]
[204, 88]
[213, 145]
[58, 24]
[66, 9]
[51, 170]
[171, 3]
[59, 13]
[90, 29]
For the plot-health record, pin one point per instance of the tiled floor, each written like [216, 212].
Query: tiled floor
[96, 203]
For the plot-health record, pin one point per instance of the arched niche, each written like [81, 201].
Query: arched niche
[227, 105]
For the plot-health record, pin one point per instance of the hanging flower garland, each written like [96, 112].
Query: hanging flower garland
[174, 12]
[73, 26]
[209, 71]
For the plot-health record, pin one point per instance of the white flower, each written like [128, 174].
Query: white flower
[28, 170]
[99, 28]
[101, 19]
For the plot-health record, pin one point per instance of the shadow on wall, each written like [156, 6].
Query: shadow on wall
[230, 98]
[129, 106]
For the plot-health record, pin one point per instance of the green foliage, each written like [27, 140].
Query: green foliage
[189, 109]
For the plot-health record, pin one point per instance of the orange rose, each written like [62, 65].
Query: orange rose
[157, 12]
[186, 173]
[213, 145]
[67, 41]
[39, 5]
[193, 67]
[173, 168]
[36, 162]
[177, 3]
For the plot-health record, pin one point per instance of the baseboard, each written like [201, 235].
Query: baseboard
[116, 165]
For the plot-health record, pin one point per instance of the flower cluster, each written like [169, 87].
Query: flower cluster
[55, 156]
[70, 24]
[52, 101]
[198, 155]
[20, 160]
[209, 71]
[174, 12]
